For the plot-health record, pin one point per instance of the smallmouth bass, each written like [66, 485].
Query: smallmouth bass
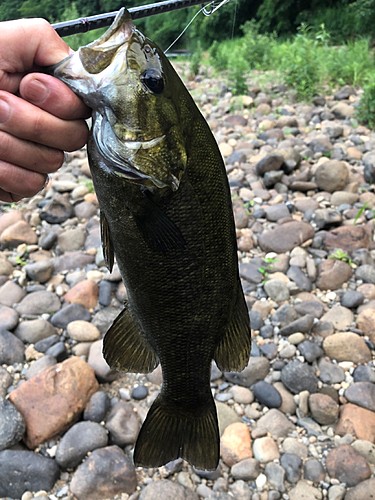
[166, 214]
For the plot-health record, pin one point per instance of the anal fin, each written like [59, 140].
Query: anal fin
[108, 252]
[233, 351]
[125, 347]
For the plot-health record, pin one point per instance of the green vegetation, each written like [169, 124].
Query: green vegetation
[366, 108]
[264, 270]
[307, 62]
[341, 255]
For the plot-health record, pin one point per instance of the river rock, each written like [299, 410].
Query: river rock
[99, 365]
[331, 175]
[247, 469]
[235, 444]
[71, 240]
[167, 490]
[78, 441]
[304, 491]
[72, 260]
[85, 293]
[12, 350]
[105, 473]
[323, 408]
[40, 271]
[122, 424]
[269, 163]
[8, 318]
[297, 377]
[82, 331]
[11, 293]
[292, 464]
[332, 274]
[22, 471]
[347, 465]
[346, 346]
[330, 373]
[265, 450]
[57, 211]
[362, 394]
[6, 267]
[40, 365]
[284, 237]
[348, 238]
[364, 373]
[12, 425]
[52, 401]
[356, 421]
[37, 303]
[266, 394]
[340, 317]
[362, 491]
[276, 423]
[20, 232]
[366, 323]
[34, 330]
[97, 408]
[257, 369]
[69, 313]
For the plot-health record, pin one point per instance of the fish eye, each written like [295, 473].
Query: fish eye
[153, 80]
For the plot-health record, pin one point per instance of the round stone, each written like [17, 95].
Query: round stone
[82, 331]
[298, 377]
[140, 392]
[266, 394]
[12, 424]
[78, 441]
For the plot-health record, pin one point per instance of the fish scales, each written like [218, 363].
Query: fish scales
[166, 215]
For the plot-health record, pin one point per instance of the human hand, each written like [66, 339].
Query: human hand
[40, 117]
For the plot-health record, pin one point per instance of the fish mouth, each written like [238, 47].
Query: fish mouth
[77, 70]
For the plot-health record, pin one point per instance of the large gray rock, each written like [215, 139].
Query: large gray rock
[22, 471]
[167, 490]
[331, 175]
[105, 473]
[284, 237]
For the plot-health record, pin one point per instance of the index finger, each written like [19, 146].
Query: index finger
[53, 96]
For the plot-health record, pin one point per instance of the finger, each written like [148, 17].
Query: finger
[19, 181]
[54, 96]
[29, 155]
[9, 197]
[26, 121]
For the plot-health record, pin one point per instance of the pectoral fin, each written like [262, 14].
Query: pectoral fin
[233, 351]
[125, 347]
[108, 252]
[159, 232]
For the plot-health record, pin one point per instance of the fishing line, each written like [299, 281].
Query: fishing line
[206, 13]
[234, 17]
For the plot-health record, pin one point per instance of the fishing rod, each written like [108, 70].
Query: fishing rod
[85, 24]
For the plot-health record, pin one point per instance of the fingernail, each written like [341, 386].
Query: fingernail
[4, 111]
[35, 91]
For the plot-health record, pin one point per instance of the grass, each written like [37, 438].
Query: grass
[307, 63]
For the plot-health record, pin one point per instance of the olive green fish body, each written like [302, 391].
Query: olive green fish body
[166, 215]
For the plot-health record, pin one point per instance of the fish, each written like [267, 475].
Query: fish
[167, 218]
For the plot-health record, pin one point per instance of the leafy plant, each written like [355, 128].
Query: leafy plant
[264, 270]
[341, 255]
[366, 108]
[90, 186]
[196, 59]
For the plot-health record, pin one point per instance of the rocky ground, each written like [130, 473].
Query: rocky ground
[299, 421]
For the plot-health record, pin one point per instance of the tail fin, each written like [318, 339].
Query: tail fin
[167, 435]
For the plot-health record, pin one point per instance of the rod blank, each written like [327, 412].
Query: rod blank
[85, 24]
